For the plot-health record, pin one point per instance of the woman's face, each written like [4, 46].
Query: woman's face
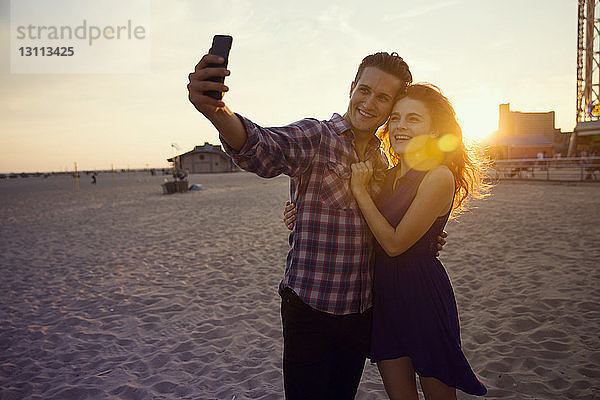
[409, 119]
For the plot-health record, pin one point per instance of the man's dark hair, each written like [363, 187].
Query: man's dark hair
[393, 64]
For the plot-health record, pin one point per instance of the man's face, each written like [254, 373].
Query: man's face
[371, 100]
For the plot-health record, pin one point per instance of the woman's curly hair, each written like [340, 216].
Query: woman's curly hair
[467, 166]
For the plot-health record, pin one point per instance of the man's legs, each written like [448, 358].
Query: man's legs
[324, 354]
[349, 352]
[305, 350]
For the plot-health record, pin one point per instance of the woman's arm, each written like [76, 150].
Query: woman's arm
[289, 218]
[433, 199]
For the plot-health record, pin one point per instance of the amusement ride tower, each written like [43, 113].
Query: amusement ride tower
[588, 72]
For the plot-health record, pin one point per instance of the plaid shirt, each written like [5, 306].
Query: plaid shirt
[329, 264]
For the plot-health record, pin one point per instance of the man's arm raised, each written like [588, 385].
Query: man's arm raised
[227, 123]
[267, 152]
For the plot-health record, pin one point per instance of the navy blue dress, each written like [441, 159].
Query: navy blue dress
[415, 311]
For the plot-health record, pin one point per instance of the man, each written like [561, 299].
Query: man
[326, 289]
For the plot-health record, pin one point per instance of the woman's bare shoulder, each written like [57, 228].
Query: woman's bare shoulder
[440, 175]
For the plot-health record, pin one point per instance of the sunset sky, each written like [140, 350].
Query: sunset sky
[289, 60]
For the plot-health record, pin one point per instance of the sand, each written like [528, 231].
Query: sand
[120, 292]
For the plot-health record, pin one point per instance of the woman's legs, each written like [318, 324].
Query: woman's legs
[399, 378]
[434, 389]
[400, 384]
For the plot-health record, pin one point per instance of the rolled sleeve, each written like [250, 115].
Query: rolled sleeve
[269, 152]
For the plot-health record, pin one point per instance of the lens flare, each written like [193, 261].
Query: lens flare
[448, 143]
[423, 153]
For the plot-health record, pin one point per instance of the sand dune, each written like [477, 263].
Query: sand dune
[120, 292]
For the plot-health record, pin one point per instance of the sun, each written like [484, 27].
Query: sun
[477, 120]
[477, 134]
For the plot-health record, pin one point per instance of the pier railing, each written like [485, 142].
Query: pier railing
[568, 169]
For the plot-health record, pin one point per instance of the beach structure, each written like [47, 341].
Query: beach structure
[525, 135]
[528, 146]
[208, 158]
[586, 136]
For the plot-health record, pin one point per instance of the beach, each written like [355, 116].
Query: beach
[118, 291]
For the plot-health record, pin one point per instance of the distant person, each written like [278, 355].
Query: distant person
[93, 179]
[585, 157]
[327, 288]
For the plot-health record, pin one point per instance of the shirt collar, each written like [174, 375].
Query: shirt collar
[342, 127]
[374, 143]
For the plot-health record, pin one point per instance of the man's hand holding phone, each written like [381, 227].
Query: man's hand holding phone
[205, 92]
[200, 85]
[206, 86]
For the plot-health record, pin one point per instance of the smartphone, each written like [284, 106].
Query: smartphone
[221, 45]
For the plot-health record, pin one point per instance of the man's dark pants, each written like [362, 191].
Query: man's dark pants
[323, 354]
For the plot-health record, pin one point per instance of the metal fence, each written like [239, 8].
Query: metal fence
[571, 169]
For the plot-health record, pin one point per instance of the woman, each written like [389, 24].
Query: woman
[415, 318]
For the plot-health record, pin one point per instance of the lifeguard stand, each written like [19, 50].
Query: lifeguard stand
[588, 73]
